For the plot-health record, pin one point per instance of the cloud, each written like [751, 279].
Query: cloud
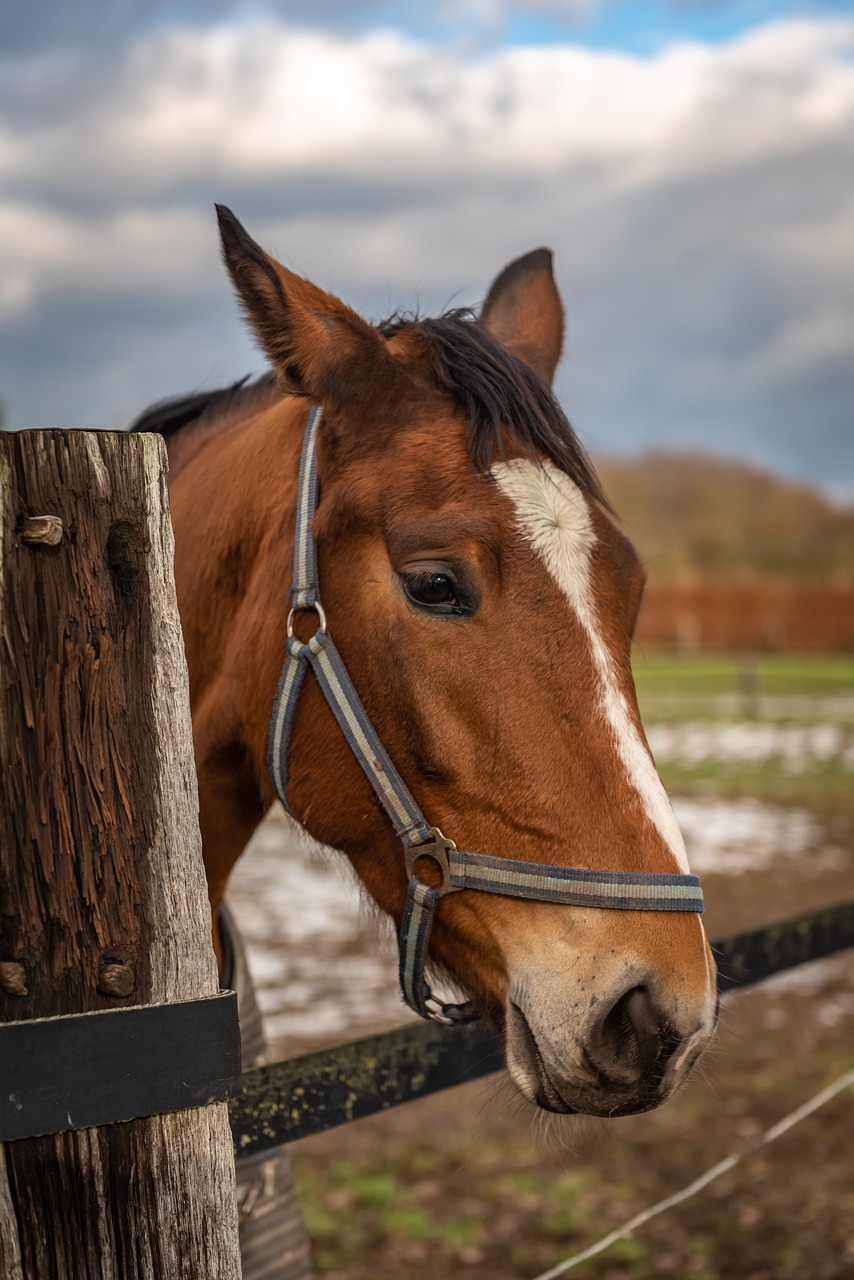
[698, 201]
[56, 23]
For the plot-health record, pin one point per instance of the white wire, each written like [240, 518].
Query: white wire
[723, 1166]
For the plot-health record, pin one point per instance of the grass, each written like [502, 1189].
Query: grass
[350, 1207]
[678, 687]
[685, 675]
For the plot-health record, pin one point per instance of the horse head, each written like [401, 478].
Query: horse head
[483, 600]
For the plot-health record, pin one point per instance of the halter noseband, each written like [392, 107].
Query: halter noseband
[572, 886]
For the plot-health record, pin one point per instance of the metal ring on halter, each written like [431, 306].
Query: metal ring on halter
[438, 849]
[317, 608]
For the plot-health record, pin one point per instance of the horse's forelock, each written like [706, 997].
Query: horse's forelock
[508, 405]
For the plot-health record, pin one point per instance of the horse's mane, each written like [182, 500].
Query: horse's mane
[503, 398]
[204, 408]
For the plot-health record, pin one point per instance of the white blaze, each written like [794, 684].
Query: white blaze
[555, 517]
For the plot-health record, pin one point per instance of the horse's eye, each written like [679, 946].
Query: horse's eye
[431, 590]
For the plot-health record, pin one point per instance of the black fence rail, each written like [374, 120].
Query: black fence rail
[306, 1095]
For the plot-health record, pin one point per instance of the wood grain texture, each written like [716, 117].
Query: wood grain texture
[100, 854]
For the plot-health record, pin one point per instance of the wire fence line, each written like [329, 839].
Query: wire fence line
[825, 1095]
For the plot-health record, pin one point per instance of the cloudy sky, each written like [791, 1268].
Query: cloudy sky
[691, 164]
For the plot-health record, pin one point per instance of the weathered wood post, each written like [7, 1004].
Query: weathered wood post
[102, 896]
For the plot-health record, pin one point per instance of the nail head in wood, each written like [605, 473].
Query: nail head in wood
[42, 531]
[13, 978]
[116, 980]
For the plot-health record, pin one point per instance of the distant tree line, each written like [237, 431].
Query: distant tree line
[694, 517]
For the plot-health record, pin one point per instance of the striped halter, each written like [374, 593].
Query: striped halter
[572, 886]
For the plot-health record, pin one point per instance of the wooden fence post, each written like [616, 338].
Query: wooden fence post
[102, 895]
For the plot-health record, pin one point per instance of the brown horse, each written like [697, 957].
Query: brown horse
[483, 602]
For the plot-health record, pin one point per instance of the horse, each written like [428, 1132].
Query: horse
[483, 599]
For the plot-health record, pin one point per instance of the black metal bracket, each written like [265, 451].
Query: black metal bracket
[79, 1070]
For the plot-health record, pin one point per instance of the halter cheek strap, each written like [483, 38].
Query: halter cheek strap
[570, 886]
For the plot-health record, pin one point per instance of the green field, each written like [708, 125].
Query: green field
[722, 674]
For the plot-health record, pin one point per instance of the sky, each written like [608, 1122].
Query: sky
[690, 163]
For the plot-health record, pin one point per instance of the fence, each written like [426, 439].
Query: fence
[108, 1003]
[303, 1096]
[760, 616]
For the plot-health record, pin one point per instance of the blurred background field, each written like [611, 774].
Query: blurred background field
[758, 753]
[776, 728]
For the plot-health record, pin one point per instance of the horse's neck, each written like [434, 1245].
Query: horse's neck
[233, 506]
[260, 468]
[214, 433]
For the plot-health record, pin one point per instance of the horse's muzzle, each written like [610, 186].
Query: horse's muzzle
[627, 1059]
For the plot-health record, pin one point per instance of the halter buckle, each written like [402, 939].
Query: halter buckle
[450, 1015]
[437, 848]
[435, 1012]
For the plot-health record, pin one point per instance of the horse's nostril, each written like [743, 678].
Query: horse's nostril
[640, 1013]
[631, 1040]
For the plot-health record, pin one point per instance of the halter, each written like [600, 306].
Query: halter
[572, 886]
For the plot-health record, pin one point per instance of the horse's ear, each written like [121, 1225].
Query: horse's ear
[524, 312]
[319, 346]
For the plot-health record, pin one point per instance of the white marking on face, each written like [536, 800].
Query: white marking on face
[554, 516]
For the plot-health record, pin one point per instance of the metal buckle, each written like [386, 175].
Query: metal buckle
[435, 1012]
[317, 608]
[438, 849]
[449, 1014]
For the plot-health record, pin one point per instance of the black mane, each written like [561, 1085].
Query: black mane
[168, 416]
[498, 393]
